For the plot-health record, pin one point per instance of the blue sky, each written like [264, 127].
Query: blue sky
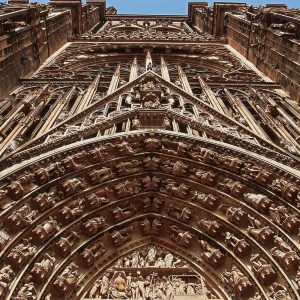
[176, 7]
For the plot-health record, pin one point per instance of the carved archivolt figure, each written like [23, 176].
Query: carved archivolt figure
[94, 225]
[181, 237]
[42, 270]
[240, 247]
[6, 277]
[258, 201]
[27, 292]
[120, 237]
[212, 255]
[238, 282]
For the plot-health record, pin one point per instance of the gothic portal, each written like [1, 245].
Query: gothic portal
[149, 157]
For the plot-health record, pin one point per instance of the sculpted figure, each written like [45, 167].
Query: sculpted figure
[152, 144]
[238, 282]
[148, 227]
[66, 281]
[6, 277]
[88, 256]
[234, 188]
[260, 202]
[15, 190]
[235, 215]
[181, 214]
[68, 213]
[27, 292]
[279, 292]
[285, 189]
[286, 257]
[181, 237]
[232, 164]
[173, 188]
[129, 167]
[102, 153]
[213, 228]
[93, 200]
[174, 148]
[120, 237]
[43, 201]
[97, 176]
[264, 271]
[151, 163]
[286, 220]
[151, 183]
[92, 226]
[204, 155]
[20, 218]
[154, 205]
[128, 188]
[20, 255]
[240, 247]
[209, 201]
[43, 232]
[176, 168]
[121, 214]
[42, 270]
[70, 163]
[125, 149]
[212, 255]
[44, 174]
[207, 177]
[64, 245]
[263, 234]
[258, 174]
[71, 186]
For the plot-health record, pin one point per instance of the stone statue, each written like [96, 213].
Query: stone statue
[182, 214]
[98, 176]
[234, 188]
[260, 202]
[181, 237]
[240, 247]
[64, 245]
[41, 271]
[209, 201]
[93, 226]
[120, 237]
[212, 255]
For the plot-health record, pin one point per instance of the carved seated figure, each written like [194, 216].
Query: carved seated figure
[152, 144]
[240, 247]
[97, 176]
[121, 214]
[64, 245]
[173, 188]
[93, 226]
[68, 214]
[263, 270]
[204, 155]
[45, 174]
[93, 201]
[126, 149]
[286, 257]
[263, 234]
[177, 168]
[209, 178]
[120, 237]
[238, 282]
[212, 255]
[151, 163]
[20, 255]
[43, 232]
[152, 205]
[15, 190]
[71, 186]
[213, 228]
[233, 188]
[129, 167]
[181, 237]
[43, 201]
[175, 148]
[27, 292]
[284, 218]
[258, 174]
[209, 201]
[41, 271]
[128, 188]
[66, 281]
[287, 190]
[102, 153]
[232, 164]
[19, 218]
[87, 257]
[70, 163]
[258, 201]
[148, 227]
[6, 277]
[235, 215]
[278, 291]
[182, 214]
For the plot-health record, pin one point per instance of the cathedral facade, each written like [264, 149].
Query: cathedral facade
[149, 157]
